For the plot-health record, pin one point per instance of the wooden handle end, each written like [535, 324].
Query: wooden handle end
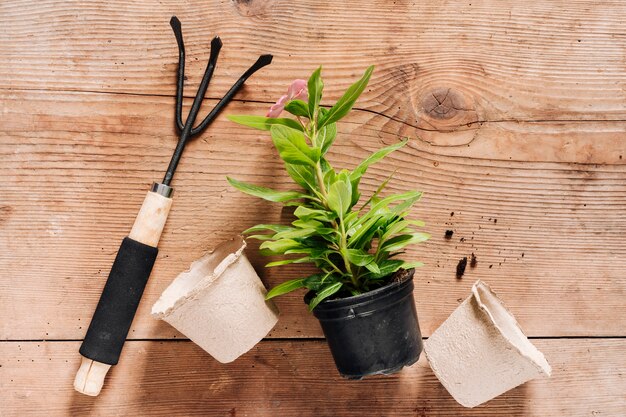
[90, 377]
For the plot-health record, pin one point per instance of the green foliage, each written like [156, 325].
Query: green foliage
[264, 123]
[354, 248]
[345, 103]
[339, 198]
[326, 137]
[266, 193]
[292, 147]
[285, 287]
[298, 108]
[315, 87]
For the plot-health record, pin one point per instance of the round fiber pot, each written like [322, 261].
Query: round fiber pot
[372, 333]
[480, 352]
[219, 303]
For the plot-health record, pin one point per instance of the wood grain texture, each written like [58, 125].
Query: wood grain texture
[289, 378]
[516, 115]
[485, 61]
[151, 219]
[544, 221]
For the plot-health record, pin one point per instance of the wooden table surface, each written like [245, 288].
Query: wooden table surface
[516, 119]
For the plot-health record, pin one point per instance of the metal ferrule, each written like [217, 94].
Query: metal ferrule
[162, 189]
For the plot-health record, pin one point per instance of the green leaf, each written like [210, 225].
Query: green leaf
[409, 195]
[340, 197]
[394, 228]
[294, 234]
[266, 193]
[306, 224]
[355, 192]
[344, 175]
[289, 261]
[399, 242]
[386, 268]
[330, 177]
[364, 233]
[315, 281]
[325, 165]
[402, 208]
[315, 87]
[297, 108]
[345, 103]
[325, 231]
[324, 294]
[263, 227]
[326, 137]
[264, 123]
[418, 223]
[373, 268]
[350, 218]
[409, 265]
[292, 147]
[357, 173]
[279, 247]
[375, 157]
[358, 257]
[381, 207]
[312, 252]
[285, 287]
[302, 175]
[261, 237]
[378, 190]
[305, 213]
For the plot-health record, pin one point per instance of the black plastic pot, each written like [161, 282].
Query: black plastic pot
[372, 333]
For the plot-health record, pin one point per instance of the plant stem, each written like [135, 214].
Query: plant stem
[334, 266]
[320, 180]
[343, 249]
[343, 244]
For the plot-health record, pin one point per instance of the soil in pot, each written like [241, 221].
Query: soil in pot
[373, 333]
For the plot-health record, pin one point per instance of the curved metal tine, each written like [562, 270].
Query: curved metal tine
[260, 63]
[180, 81]
[216, 46]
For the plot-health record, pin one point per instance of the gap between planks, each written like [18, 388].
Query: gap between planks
[292, 378]
[297, 339]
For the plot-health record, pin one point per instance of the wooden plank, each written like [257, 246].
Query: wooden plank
[488, 60]
[75, 168]
[294, 378]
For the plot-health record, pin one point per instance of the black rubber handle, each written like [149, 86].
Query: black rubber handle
[118, 303]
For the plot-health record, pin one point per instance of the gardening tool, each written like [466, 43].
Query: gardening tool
[132, 266]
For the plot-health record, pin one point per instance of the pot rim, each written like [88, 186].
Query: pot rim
[388, 289]
[164, 306]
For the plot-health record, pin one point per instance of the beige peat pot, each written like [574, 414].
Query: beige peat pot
[219, 303]
[480, 352]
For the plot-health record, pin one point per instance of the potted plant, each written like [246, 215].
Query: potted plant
[362, 293]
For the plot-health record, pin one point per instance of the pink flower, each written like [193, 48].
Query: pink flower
[297, 90]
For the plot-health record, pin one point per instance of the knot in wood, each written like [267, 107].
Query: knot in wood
[252, 8]
[443, 103]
